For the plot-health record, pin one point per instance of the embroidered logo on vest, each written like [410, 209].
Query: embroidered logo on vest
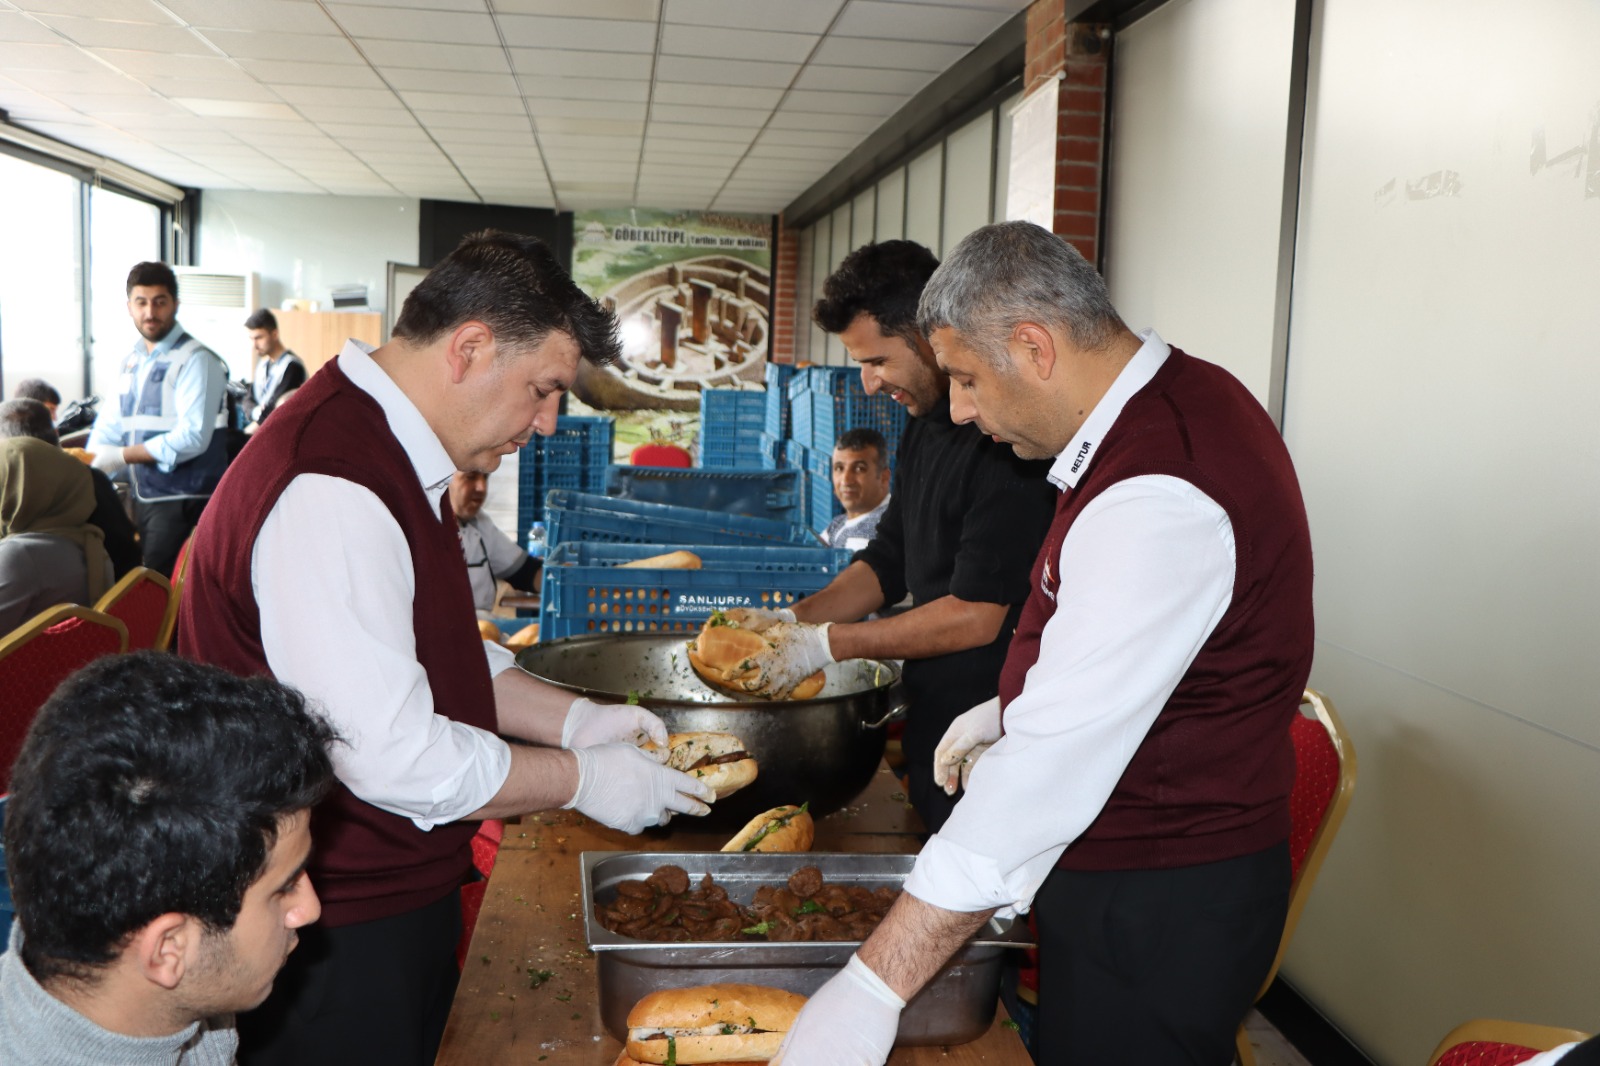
[1047, 581]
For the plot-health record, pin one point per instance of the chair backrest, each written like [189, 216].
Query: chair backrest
[144, 602]
[660, 455]
[1324, 779]
[37, 656]
[1492, 1042]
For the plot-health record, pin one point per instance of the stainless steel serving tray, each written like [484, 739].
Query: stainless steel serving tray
[956, 1006]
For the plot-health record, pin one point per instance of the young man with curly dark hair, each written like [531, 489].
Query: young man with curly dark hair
[156, 838]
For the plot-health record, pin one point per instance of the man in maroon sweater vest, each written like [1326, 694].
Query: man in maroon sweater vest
[330, 559]
[1136, 765]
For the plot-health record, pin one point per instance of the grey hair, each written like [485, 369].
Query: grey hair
[1014, 272]
[27, 418]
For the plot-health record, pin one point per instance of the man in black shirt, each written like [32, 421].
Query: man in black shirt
[964, 523]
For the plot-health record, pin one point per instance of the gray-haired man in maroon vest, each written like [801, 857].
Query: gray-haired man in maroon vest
[329, 558]
[1136, 765]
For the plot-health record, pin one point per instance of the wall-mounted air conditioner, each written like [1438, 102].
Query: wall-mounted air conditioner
[213, 308]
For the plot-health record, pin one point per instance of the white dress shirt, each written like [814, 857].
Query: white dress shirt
[1145, 574]
[333, 577]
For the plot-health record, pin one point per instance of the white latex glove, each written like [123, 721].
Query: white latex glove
[758, 619]
[850, 1021]
[589, 723]
[794, 651]
[109, 461]
[622, 787]
[969, 736]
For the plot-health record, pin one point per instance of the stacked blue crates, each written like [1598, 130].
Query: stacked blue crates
[823, 402]
[574, 457]
[731, 424]
[776, 427]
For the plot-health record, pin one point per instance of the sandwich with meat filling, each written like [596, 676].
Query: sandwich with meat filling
[786, 828]
[718, 759]
[724, 1023]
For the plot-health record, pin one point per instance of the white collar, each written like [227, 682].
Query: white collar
[428, 457]
[1075, 459]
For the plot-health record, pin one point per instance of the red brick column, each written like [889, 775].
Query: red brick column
[1081, 53]
[785, 269]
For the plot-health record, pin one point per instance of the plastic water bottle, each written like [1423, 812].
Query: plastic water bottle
[536, 541]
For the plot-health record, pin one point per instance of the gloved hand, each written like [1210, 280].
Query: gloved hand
[794, 651]
[109, 461]
[969, 736]
[588, 723]
[622, 787]
[850, 1021]
[758, 619]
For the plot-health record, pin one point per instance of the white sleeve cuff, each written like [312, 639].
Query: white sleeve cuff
[953, 877]
[501, 658]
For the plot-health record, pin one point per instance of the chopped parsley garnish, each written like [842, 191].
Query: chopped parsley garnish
[810, 906]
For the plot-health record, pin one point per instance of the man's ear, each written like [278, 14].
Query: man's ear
[165, 948]
[471, 343]
[1037, 348]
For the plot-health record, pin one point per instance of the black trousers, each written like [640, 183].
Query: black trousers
[374, 992]
[163, 527]
[1156, 967]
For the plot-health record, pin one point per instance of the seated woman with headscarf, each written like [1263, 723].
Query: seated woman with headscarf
[49, 553]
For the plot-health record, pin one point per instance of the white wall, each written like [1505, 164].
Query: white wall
[304, 245]
[1195, 187]
[1440, 409]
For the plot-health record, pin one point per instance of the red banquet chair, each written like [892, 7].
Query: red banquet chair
[485, 846]
[144, 602]
[37, 656]
[1490, 1042]
[660, 455]
[1324, 779]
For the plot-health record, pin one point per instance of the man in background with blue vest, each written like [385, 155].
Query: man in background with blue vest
[162, 434]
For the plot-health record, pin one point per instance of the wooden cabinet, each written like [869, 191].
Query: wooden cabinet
[317, 336]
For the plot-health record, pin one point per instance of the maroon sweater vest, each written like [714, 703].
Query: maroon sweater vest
[366, 863]
[1211, 780]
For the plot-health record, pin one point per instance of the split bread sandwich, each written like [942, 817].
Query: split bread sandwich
[786, 828]
[721, 652]
[717, 759]
[726, 1023]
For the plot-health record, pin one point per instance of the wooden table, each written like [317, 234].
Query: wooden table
[532, 920]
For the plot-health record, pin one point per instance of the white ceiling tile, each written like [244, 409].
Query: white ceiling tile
[434, 27]
[490, 158]
[121, 10]
[468, 120]
[598, 126]
[710, 95]
[809, 16]
[337, 96]
[372, 116]
[17, 56]
[926, 22]
[619, 10]
[673, 131]
[781, 138]
[231, 89]
[451, 81]
[594, 157]
[432, 5]
[354, 74]
[144, 36]
[81, 81]
[296, 143]
[746, 44]
[557, 63]
[609, 109]
[423, 56]
[715, 152]
[831, 103]
[623, 89]
[263, 16]
[15, 26]
[276, 125]
[592, 35]
[725, 71]
[121, 103]
[354, 135]
[586, 145]
[824, 123]
[296, 47]
[210, 67]
[737, 117]
[451, 138]
[897, 55]
[863, 79]
[1010, 7]
[468, 102]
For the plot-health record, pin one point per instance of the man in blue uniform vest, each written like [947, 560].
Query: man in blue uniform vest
[162, 436]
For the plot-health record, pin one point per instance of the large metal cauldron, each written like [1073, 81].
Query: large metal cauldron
[822, 750]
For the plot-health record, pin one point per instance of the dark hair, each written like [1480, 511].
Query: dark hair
[153, 274]
[884, 280]
[148, 785]
[37, 389]
[261, 318]
[27, 418]
[515, 286]
[860, 439]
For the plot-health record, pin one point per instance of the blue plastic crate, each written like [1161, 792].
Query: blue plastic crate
[777, 400]
[575, 457]
[573, 516]
[821, 417]
[583, 591]
[823, 505]
[771, 451]
[746, 490]
[731, 422]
